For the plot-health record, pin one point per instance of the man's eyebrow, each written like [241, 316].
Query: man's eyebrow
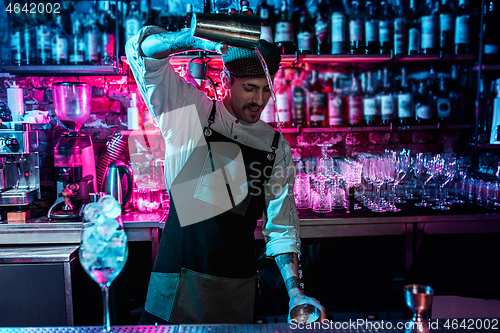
[254, 85]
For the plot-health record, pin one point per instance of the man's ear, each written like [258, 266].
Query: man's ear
[225, 78]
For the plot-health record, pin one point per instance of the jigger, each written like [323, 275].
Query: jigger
[235, 30]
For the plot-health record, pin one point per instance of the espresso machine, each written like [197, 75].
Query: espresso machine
[19, 165]
[74, 159]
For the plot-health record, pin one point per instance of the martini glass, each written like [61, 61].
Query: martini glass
[103, 253]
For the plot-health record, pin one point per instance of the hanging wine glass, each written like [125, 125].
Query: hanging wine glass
[103, 248]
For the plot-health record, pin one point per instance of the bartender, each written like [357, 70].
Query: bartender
[205, 269]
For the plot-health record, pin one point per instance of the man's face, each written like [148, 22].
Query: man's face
[247, 98]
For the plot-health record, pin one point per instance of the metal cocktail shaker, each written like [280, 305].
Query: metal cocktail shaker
[235, 30]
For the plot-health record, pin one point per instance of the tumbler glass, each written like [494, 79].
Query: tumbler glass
[302, 191]
[147, 200]
[321, 200]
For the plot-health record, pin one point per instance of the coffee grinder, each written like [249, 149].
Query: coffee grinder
[74, 159]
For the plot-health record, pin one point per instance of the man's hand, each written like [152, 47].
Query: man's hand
[289, 266]
[300, 299]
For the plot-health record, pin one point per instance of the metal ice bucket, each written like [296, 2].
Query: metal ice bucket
[235, 30]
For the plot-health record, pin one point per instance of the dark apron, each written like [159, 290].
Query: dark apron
[205, 271]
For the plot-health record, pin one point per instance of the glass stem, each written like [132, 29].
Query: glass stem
[105, 307]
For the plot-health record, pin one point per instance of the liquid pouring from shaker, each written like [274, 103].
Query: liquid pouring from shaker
[235, 30]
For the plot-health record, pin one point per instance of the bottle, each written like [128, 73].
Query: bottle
[371, 29]
[355, 114]
[495, 125]
[424, 113]
[305, 37]
[284, 36]
[60, 43]
[266, 31]
[462, 28]
[28, 49]
[133, 21]
[443, 102]
[77, 46]
[268, 115]
[491, 39]
[283, 113]
[400, 30]
[432, 83]
[188, 17]
[15, 48]
[446, 28]
[298, 100]
[356, 30]
[386, 28]
[152, 19]
[336, 105]
[317, 103]
[371, 112]
[338, 28]
[414, 29]
[321, 28]
[406, 113]
[387, 106]
[245, 7]
[207, 6]
[92, 41]
[43, 45]
[15, 101]
[457, 94]
[108, 36]
[483, 130]
[429, 29]
[133, 113]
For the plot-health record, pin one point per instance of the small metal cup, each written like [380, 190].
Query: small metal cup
[235, 30]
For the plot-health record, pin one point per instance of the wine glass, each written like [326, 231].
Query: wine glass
[422, 173]
[103, 249]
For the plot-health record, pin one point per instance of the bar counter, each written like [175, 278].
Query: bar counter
[411, 222]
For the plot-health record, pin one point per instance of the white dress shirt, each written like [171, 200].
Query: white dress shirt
[181, 112]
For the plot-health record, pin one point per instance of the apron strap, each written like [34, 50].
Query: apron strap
[211, 119]
[274, 146]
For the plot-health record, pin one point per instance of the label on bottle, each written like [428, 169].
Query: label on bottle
[423, 111]
[414, 40]
[446, 22]
[370, 107]
[59, 48]
[264, 13]
[490, 49]
[305, 41]
[336, 110]
[321, 28]
[268, 115]
[356, 31]
[429, 29]
[385, 31]
[283, 113]
[387, 106]
[77, 51]
[299, 105]
[284, 32]
[443, 108]
[132, 27]
[462, 33]
[399, 36]
[338, 33]
[405, 105]
[371, 31]
[317, 106]
[355, 110]
[266, 33]
[93, 46]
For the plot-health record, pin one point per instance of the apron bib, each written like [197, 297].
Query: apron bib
[205, 268]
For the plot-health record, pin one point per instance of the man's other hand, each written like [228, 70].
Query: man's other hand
[300, 299]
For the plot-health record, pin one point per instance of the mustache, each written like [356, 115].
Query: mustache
[253, 105]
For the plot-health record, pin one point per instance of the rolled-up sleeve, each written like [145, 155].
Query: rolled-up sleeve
[162, 89]
[279, 230]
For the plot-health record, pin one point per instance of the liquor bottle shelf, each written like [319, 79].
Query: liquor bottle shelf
[488, 67]
[288, 60]
[62, 70]
[488, 146]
